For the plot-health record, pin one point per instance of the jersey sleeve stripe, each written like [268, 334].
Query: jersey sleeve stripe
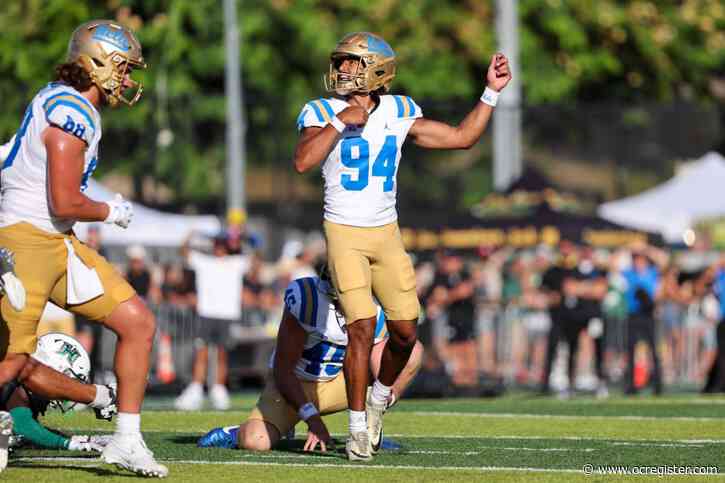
[74, 105]
[380, 325]
[411, 106]
[310, 307]
[328, 108]
[72, 97]
[81, 99]
[406, 103]
[315, 300]
[399, 103]
[322, 111]
[303, 300]
[317, 110]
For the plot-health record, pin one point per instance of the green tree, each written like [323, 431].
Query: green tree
[571, 50]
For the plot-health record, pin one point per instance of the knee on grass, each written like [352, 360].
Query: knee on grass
[257, 435]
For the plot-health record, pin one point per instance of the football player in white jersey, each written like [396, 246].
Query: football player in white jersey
[44, 173]
[307, 379]
[357, 138]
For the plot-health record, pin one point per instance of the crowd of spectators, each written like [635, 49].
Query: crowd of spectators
[562, 319]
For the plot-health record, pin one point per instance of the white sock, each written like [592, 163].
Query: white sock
[103, 397]
[380, 392]
[195, 386]
[358, 421]
[128, 424]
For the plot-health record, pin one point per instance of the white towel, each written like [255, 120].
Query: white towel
[84, 283]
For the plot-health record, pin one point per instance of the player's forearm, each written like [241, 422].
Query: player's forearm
[312, 150]
[290, 388]
[79, 207]
[26, 426]
[51, 384]
[470, 130]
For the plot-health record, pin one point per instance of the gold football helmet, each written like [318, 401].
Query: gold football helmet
[107, 51]
[376, 67]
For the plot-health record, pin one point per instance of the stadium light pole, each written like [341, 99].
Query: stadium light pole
[236, 127]
[507, 163]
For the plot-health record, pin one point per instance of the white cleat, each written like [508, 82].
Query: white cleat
[358, 447]
[6, 430]
[374, 414]
[191, 399]
[219, 397]
[130, 453]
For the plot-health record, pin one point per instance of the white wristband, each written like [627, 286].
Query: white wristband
[338, 124]
[489, 97]
[307, 411]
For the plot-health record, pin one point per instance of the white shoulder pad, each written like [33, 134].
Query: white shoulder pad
[301, 300]
[405, 108]
[317, 113]
[72, 113]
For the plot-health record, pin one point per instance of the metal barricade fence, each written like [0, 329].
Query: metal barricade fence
[173, 347]
[174, 342]
[684, 369]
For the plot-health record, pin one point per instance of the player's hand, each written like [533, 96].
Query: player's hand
[498, 74]
[87, 443]
[120, 212]
[317, 433]
[354, 115]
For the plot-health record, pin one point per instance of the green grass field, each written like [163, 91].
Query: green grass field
[513, 438]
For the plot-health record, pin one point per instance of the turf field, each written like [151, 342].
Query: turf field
[513, 438]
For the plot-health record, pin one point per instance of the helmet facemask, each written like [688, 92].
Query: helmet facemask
[108, 75]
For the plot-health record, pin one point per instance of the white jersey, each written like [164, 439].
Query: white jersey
[25, 166]
[361, 170]
[307, 300]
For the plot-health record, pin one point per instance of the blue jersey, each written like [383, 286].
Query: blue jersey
[718, 287]
[324, 351]
[648, 280]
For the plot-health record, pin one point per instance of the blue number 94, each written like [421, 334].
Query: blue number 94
[384, 165]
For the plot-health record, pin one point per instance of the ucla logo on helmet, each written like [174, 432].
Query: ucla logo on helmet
[104, 33]
[379, 46]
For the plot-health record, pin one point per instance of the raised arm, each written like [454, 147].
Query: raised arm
[438, 135]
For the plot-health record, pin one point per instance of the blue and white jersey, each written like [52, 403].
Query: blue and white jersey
[307, 300]
[25, 161]
[361, 170]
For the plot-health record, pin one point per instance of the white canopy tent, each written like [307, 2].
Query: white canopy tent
[697, 193]
[148, 227]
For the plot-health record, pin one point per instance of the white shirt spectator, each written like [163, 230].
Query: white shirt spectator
[219, 284]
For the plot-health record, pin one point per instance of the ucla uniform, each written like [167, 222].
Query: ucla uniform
[365, 250]
[320, 366]
[29, 228]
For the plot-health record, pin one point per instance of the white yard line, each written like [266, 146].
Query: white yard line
[96, 462]
[644, 441]
[502, 448]
[558, 416]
